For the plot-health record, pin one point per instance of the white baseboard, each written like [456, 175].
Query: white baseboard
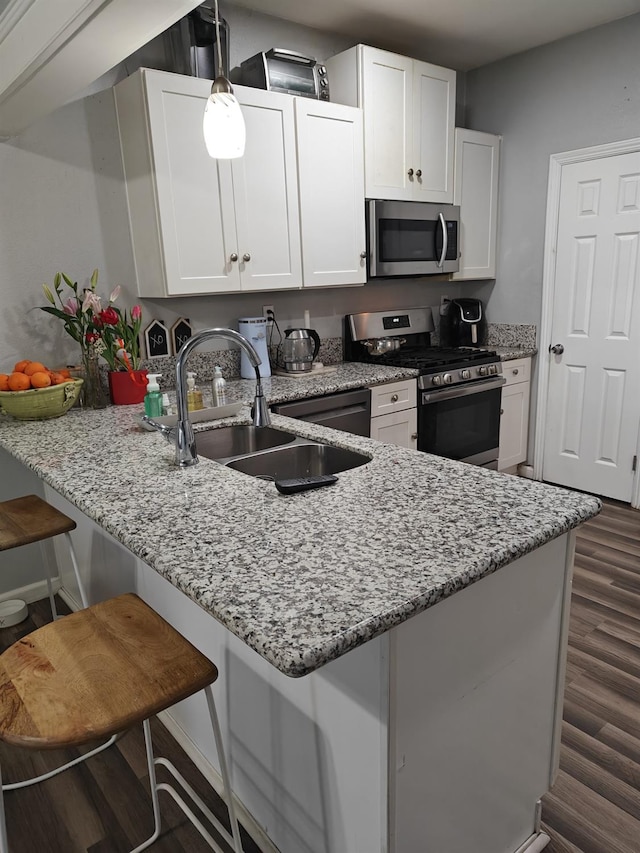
[32, 592]
[215, 780]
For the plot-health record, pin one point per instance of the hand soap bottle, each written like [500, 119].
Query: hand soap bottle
[194, 395]
[153, 397]
[219, 387]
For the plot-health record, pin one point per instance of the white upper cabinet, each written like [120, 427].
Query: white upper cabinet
[202, 226]
[477, 161]
[331, 175]
[53, 49]
[409, 117]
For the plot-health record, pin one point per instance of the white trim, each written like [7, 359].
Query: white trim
[556, 162]
[32, 592]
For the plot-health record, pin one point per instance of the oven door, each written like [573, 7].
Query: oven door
[463, 422]
[412, 238]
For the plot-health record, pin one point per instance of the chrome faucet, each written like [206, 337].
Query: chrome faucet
[183, 431]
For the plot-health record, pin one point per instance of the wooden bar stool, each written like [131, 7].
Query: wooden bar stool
[30, 519]
[98, 672]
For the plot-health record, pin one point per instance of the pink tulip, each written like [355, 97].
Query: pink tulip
[136, 312]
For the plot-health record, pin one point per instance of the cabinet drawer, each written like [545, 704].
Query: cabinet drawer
[517, 370]
[393, 397]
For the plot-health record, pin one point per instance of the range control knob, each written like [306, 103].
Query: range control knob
[482, 371]
[465, 374]
[447, 379]
[437, 380]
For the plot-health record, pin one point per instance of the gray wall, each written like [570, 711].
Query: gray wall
[577, 92]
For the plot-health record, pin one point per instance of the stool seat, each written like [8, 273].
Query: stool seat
[95, 673]
[30, 519]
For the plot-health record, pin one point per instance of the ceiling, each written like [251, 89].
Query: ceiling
[461, 34]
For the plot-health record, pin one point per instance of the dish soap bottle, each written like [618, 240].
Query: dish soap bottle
[194, 395]
[219, 388]
[153, 397]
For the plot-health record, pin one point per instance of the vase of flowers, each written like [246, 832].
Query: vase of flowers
[102, 332]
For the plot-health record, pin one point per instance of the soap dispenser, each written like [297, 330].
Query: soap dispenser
[219, 387]
[194, 395]
[153, 397]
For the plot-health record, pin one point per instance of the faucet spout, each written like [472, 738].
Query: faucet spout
[185, 440]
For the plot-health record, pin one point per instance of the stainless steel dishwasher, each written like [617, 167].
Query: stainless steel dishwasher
[346, 410]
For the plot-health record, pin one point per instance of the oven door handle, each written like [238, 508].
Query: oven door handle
[463, 391]
[445, 241]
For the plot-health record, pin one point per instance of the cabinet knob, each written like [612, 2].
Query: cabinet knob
[394, 398]
[246, 257]
[233, 257]
[502, 411]
[410, 173]
[515, 371]
[419, 173]
[363, 255]
[414, 436]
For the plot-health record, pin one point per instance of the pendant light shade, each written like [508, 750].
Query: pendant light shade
[223, 123]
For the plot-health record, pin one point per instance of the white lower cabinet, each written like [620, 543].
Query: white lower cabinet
[394, 418]
[201, 226]
[514, 417]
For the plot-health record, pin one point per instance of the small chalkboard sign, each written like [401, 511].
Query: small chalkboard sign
[156, 338]
[181, 331]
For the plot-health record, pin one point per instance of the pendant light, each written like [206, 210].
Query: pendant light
[223, 124]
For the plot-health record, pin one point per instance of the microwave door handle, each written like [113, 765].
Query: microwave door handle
[445, 240]
[291, 55]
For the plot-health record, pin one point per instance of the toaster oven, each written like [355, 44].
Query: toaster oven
[280, 70]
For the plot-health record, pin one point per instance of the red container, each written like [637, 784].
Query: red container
[127, 388]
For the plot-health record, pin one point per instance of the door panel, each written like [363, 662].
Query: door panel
[434, 92]
[593, 404]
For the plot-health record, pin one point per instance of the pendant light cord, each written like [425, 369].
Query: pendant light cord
[220, 69]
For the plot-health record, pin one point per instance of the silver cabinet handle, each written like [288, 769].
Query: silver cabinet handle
[556, 349]
[246, 257]
[410, 173]
[419, 173]
[515, 371]
[394, 398]
[363, 255]
[233, 257]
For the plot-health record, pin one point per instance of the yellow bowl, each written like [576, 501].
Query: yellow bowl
[41, 403]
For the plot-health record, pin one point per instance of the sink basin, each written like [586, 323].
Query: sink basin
[299, 460]
[239, 439]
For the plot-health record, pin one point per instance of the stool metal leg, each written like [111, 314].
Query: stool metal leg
[76, 571]
[4, 843]
[47, 568]
[226, 779]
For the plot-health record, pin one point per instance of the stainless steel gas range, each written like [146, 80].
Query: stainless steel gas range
[459, 388]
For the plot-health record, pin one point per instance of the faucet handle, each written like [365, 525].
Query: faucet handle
[167, 432]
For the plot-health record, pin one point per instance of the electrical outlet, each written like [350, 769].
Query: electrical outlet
[268, 312]
[444, 299]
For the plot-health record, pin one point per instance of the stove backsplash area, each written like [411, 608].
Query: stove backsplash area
[520, 335]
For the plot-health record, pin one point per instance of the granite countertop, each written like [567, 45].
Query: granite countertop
[301, 579]
[511, 352]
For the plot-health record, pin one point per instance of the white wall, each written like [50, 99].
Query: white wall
[579, 91]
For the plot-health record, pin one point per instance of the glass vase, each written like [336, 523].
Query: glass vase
[93, 394]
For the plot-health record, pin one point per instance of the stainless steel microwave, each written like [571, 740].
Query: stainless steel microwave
[407, 238]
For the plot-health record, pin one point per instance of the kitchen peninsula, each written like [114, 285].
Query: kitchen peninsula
[420, 604]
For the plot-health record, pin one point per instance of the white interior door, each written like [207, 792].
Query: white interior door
[593, 399]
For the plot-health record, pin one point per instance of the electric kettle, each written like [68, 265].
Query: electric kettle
[299, 348]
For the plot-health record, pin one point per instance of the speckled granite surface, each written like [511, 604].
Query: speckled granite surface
[301, 579]
[509, 353]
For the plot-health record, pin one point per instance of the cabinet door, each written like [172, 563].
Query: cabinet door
[180, 200]
[477, 158]
[433, 109]
[400, 428]
[331, 180]
[387, 100]
[265, 194]
[514, 425]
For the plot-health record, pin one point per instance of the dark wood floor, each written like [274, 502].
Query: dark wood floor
[594, 806]
[103, 805]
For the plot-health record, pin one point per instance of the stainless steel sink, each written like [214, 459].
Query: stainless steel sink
[238, 440]
[299, 460]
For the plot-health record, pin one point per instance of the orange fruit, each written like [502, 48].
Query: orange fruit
[19, 382]
[40, 379]
[4, 382]
[63, 371]
[56, 378]
[20, 365]
[34, 367]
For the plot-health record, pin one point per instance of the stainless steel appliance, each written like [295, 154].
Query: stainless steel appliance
[459, 388]
[192, 44]
[463, 323]
[406, 238]
[298, 350]
[346, 410]
[280, 70]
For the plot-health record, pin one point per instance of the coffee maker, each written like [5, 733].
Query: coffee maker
[463, 323]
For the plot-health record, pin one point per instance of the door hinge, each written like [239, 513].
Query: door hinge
[634, 464]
